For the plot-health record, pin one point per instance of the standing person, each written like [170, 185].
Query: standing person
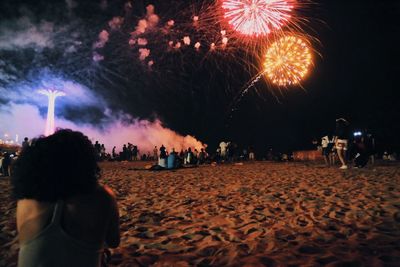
[97, 148]
[251, 153]
[25, 143]
[202, 156]
[370, 142]
[163, 152]
[185, 157]
[181, 154]
[64, 216]
[189, 156]
[360, 150]
[103, 152]
[245, 154]
[114, 155]
[124, 152]
[130, 154]
[5, 165]
[325, 149]
[341, 140]
[332, 152]
[162, 161]
[155, 153]
[223, 146]
[135, 152]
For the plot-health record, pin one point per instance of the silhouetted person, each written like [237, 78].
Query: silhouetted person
[25, 143]
[97, 147]
[125, 152]
[114, 155]
[361, 154]
[129, 153]
[163, 152]
[135, 152]
[64, 216]
[6, 164]
[202, 156]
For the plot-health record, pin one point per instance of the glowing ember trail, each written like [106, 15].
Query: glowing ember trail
[287, 61]
[257, 17]
[52, 95]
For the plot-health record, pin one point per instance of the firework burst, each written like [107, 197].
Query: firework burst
[257, 17]
[287, 61]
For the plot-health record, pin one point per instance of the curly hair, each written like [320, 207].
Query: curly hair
[56, 167]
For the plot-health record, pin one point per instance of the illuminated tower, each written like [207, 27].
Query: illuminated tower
[52, 95]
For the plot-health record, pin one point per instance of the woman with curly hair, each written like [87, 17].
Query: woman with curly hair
[64, 216]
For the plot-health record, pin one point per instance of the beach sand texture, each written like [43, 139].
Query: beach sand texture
[256, 214]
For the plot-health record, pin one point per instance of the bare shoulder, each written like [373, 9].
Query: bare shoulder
[30, 211]
[31, 207]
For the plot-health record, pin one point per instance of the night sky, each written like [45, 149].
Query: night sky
[355, 77]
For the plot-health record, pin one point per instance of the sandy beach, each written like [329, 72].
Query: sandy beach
[256, 214]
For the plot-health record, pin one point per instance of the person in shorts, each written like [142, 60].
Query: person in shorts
[325, 149]
[341, 140]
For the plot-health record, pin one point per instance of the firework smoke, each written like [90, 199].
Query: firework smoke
[25, 115]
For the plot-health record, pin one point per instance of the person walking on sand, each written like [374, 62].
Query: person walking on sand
[341, 140]
[64, 216]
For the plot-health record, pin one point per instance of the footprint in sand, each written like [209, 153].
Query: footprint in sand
[310, 250]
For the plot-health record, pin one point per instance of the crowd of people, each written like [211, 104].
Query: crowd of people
[75, 218]
[349, 147]
[344, 146]
[166, 158]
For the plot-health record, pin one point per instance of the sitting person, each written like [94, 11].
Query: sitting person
[64, 216]
[171, 160]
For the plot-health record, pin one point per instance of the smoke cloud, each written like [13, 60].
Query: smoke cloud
[25, 120]
[24, 115]
[25, 34]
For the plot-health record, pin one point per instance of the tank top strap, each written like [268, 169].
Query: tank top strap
[57, 213]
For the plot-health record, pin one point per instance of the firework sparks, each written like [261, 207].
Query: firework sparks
[287, 61]
[257, 17]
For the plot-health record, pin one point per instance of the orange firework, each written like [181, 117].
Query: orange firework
[287, 61]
